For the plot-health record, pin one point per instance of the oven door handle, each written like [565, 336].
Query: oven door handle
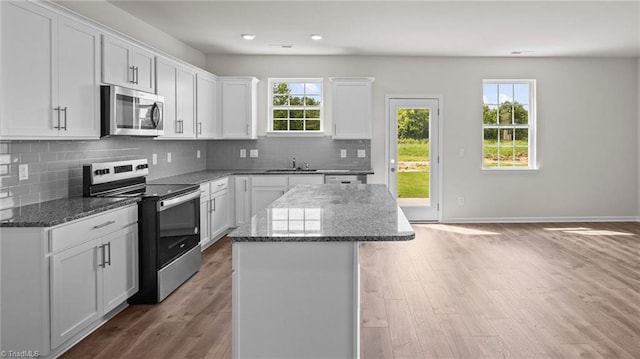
[177, 201]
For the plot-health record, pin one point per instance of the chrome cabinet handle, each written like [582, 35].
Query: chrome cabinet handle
[214, 204]
[133, 75]
[335, 129]
[64, 109]
[199, 128]
[103, 256]
[108, 261]
[247, 129]
[211, 205]
[103, 225]
[137, 75]
[57, 109]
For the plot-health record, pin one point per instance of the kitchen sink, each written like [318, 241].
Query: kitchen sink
[291, 170]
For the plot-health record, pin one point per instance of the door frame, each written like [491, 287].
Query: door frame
[387, 141]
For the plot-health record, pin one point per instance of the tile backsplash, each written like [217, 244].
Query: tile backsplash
[277, 152]
[55, 167]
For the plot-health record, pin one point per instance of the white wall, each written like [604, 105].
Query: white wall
[587, 128]
[638, 103]
[117, 19]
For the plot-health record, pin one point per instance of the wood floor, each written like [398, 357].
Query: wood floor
[456, 291]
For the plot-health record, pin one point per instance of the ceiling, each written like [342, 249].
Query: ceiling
[405, 28]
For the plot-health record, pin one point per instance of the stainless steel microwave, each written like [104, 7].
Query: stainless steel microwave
[130, 113]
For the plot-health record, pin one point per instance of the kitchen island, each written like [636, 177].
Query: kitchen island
[296, 270]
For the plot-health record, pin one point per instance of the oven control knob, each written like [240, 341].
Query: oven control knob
[141, 167]
[101, 172]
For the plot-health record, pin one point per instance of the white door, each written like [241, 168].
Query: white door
[78, 83]
[166, 82]
[186, 102]
[76, 289]
[242, 197]
[206, 106]
[115, 62]
[144, 71]
[236, 107]
[219, 213]
[413, 159]
[205, 228]
[29, 67]
[121, 266]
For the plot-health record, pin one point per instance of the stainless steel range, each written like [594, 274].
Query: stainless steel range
[168, 223]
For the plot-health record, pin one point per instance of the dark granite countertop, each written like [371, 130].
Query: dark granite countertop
[210, 175]
[329, 213]
[51, 213]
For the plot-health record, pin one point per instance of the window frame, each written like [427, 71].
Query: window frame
[271, 107]
[531, 126]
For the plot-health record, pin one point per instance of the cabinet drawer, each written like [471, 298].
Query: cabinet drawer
[91, 227]
[219, 185]
[305, 179]
[269, 181]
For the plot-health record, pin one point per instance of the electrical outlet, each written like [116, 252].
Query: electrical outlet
[343, 153]
[23, 172]
[168, 157]
[154, 159]
[243, 153]
[461, 201]
[198, 154]
[362, 153]
[253, 153]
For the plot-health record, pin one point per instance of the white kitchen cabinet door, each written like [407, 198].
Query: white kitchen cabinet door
[121, 267]
[351, 108]
[219, 213]
[76, 290]
[205, 219]
[186, 100]
[116, 67]
[166, 82]
[78, 79]
[144, 61]
[206, 106]
[295, 180]
[242, 196]
[239, 107]
[261, 197]
[127, 65]
[29, 71]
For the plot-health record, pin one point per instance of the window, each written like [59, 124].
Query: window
[295, 105]
[508, 124]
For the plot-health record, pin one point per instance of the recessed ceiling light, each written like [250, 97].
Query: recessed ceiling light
[523, 52]
[281, 46]
[316, 37]
[248, 36]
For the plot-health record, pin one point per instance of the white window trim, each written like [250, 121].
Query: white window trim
[533, 138]
[270, 132]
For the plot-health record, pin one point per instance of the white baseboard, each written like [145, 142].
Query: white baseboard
[542, 219]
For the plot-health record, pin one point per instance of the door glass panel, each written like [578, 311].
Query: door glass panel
[522, 147]
[490, 147]
[124, 108]
[413, 156]
[506, 147]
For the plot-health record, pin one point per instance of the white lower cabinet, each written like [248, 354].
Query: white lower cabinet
[242, 196]
[214, 211]
[60, 283]
[266, 189]
[76, 299]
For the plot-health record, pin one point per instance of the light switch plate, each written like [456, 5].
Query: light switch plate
[243, 153]
[154, 159]
[362, 153]
[23, 172]
[343, 153]
[253, 153]
[198, 154]
[169, 157]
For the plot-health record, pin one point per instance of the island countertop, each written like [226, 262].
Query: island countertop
[329, 213]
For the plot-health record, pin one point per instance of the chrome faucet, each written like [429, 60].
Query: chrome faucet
[294, 163]
[306, 165]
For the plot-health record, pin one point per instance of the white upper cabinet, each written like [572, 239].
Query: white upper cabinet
[125, 64]
[49, 81]
[351, 108]
[239, 107]
[176, 83]
[206, 106]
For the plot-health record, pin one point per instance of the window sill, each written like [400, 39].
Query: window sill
[511, 170]
[294, 134]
